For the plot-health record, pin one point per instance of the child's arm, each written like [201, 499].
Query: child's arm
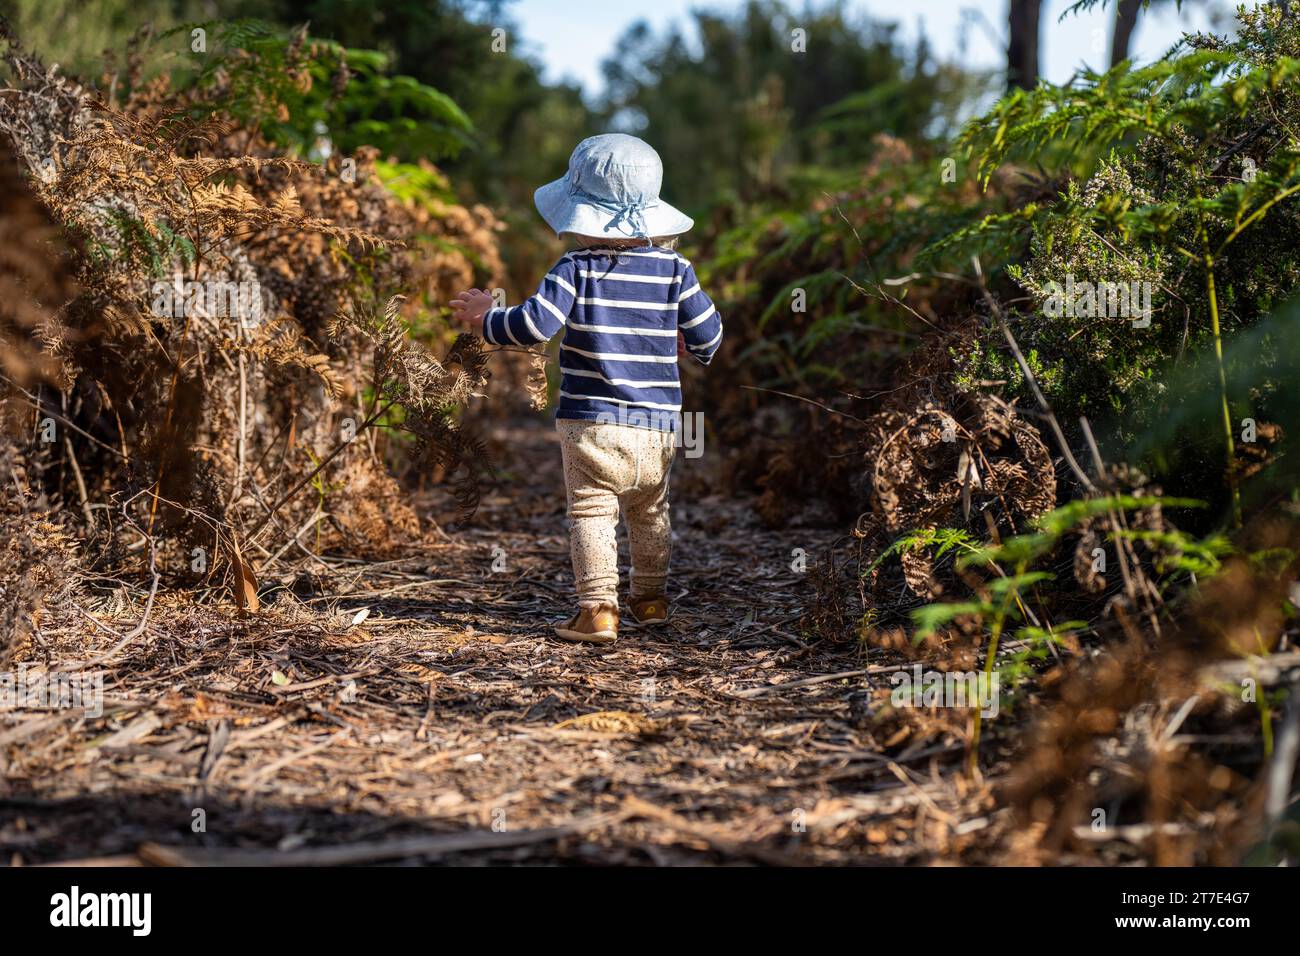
[697, 320]
[536, 320]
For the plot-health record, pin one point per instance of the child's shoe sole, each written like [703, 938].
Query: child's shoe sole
[584, 637]
[591, 625]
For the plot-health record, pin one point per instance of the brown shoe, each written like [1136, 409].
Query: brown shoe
[591, 625]
[652, 609]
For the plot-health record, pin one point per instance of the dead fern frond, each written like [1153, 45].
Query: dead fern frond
[406, 374]
[173, 394]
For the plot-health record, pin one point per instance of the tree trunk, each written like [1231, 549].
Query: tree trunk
[1126, 18]
[1022, 50]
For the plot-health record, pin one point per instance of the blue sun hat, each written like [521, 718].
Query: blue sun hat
[611, 190]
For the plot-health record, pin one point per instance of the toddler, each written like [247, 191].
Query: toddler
[629, 306]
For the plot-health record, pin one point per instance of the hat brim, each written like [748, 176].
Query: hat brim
[565, 212]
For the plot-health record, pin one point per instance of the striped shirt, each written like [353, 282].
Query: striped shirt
[621, 311]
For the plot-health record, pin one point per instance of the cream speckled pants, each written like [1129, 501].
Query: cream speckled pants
[605, 466]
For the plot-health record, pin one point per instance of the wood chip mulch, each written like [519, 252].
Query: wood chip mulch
[416, 709]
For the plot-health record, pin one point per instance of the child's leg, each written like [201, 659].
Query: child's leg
[593, 513]
[645, 507]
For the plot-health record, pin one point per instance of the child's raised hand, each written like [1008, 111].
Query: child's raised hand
[681, 345]
[469, 307]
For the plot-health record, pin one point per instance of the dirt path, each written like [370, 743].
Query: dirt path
[447, 726]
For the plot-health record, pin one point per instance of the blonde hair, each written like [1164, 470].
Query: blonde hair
[620, 242]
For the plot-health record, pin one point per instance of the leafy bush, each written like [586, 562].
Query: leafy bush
[1190, 166]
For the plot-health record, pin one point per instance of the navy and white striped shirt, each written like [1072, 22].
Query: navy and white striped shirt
[621, 310]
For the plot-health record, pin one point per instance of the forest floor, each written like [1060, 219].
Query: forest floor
[446, 724]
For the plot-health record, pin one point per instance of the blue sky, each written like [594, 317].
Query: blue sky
[572, 38]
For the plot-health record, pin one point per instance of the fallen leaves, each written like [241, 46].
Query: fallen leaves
[244, 585]
[612, 722]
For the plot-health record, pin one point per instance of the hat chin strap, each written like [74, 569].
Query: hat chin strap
[631, 212]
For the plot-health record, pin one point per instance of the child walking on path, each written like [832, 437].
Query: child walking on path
[629, 306]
